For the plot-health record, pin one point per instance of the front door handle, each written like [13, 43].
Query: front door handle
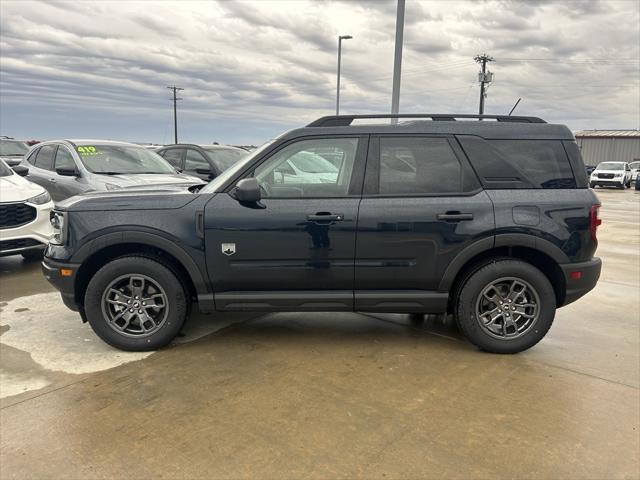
[52, 180]
[325, 217]
[454, 216]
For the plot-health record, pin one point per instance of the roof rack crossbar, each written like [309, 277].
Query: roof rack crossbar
[346, 120]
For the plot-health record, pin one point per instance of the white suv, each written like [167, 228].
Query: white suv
[24, 214]
[635, 170]
[613, 174]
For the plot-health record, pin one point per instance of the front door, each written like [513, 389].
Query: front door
[422, 204]
[294, 250]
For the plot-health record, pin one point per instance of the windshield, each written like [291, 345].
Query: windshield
[5, 171]
[12, 148]
[225, 158]
[610, 166]
[221, 179]
[116, 159]
[311, 163]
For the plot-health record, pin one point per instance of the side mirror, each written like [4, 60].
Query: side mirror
[67, 171]
[248, 190]
[21, 170]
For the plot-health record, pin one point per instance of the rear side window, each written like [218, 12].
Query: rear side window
[520, 163]
[410, 165]
[44, 159]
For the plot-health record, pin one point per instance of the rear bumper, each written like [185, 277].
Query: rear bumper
[65, 284]
[578, 287]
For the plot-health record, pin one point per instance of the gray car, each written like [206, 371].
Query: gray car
[71, 167]
[12, 151]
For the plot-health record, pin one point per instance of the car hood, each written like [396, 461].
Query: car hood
[15, 188]
[607, 171]
[134, 179]
[149, 197]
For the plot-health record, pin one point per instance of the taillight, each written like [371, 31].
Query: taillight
[595, 221]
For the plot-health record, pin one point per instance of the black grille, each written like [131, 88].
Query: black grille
[16, 214]
[605, 175]
[18, 243]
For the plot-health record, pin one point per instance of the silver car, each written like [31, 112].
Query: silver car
[71, 167]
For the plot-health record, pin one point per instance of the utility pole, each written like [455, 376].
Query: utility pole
[175, 112]
[484, 77]
[397, 60]
[340, 38]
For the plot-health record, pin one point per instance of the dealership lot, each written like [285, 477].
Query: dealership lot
[321, 395]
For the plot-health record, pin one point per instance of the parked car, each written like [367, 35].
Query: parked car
[203, 161]
[71, 167]
[635, 170]
[24, 214]
[611, 174]
[490, 221]
[589, 169]
[12, 151]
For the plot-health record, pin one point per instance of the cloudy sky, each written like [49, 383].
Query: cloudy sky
[253, 69]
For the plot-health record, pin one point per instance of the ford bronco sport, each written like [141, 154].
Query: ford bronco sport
[487, 218]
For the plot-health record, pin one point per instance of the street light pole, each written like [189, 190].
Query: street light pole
[397, 59]
[340, 38]
[175, 112]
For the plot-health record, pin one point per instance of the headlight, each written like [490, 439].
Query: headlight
[41, 199]
[59, 223]
[618, 175]
[112, 186]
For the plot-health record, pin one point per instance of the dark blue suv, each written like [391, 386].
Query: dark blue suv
[487, 218]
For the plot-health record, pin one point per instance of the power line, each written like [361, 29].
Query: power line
[175, 112]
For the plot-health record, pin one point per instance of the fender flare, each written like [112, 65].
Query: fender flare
[499, 240]
[151, 240]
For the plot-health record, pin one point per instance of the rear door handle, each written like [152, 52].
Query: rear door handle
[325, 217]
[454, 216]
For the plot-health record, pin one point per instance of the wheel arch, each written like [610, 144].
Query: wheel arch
[540, 253]
[93, 255]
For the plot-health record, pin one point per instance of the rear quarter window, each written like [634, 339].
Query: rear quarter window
[520, 163]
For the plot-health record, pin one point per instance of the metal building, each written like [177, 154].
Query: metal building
[608, 145]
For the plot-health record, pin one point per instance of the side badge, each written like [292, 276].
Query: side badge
[229, 248]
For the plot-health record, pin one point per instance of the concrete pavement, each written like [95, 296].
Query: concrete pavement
[327, 395]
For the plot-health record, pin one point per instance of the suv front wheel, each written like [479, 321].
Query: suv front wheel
[506, 306]
[136, 303]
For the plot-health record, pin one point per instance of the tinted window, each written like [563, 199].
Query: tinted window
[297, 172]
[173, 156]
[44, 159]
[195, 160]
[420, 165]
[32, 156]
[224, 158]
[64, 159]
[520, 163]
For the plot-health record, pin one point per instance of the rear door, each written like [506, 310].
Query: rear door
[40, 170]
[422, 204]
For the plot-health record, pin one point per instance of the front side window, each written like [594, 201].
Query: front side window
[297, 172]
[122, 159]
[195, 161]
[173, 156]
[421, 166]
[64, 159]
[44, 158]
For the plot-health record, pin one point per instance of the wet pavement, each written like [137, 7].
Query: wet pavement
[320, 395]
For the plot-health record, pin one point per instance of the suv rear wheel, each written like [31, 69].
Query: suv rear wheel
[506, 306]
[136, 303]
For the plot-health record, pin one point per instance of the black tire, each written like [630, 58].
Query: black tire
[416, 318]
[473, 287]
[177, 303]
[33, 255]
[592, 185]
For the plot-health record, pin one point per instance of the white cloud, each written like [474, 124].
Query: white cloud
[265, 66]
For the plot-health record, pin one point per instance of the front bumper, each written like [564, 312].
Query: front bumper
[604, 182]
[52, 271]
[578, 287]
[32, 236]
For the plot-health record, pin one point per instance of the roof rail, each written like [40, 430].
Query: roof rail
[346, 120]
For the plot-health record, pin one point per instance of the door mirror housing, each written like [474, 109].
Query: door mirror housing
[67, 171]
[248, 190]
[21, 170]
